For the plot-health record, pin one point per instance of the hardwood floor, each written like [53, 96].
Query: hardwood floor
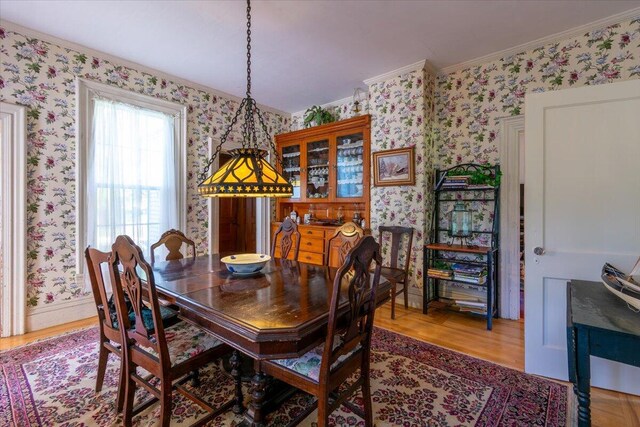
[466, 334]
[11, 342]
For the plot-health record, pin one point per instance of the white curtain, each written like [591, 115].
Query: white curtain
[131, 175]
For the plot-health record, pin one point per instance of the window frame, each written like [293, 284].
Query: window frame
[85, 89]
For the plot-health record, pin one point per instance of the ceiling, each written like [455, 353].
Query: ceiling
[303, 52]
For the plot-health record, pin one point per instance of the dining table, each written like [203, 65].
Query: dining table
[280, 312]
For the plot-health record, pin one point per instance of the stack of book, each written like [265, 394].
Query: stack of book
[469, 273]
[460, 181]
[438, 273]
[472, 306]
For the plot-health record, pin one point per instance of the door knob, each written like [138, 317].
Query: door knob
[538, 250]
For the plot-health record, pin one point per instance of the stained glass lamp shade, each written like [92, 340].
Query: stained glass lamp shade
[247, 174]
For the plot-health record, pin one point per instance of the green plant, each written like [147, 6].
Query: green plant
[318, 115]
[441, 265]
[479, 177]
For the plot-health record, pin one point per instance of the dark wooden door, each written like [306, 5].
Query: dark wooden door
[248, 224]
[237, 222]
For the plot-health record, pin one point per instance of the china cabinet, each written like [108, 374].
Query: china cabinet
[328, 167]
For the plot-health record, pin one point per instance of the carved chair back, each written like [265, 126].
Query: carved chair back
[95, 260]
[289, 239]
[342, 241]
[127, 264]
[396, 245]
[355, 276]
[173, 240]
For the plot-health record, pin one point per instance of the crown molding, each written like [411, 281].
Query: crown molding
[572, 32]
[420, 65]
[339, 102]
[11, 26]
[331, 104]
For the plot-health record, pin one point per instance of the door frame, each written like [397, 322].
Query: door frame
[509, 148]
[13, 294]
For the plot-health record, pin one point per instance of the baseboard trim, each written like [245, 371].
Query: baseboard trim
[54, 314]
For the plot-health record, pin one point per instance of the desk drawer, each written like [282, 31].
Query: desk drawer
[308, 244]
[311, 258]
[310, 232]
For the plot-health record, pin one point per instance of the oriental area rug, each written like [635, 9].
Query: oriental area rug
[51, 383]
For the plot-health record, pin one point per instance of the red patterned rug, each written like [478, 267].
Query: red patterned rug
[51, 383]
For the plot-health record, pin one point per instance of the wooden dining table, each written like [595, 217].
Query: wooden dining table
[280, 312]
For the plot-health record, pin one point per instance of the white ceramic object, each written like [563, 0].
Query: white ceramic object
[613, 285]
[245, 263]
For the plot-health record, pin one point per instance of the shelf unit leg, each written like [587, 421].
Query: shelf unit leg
[490, 285]
[425, 280]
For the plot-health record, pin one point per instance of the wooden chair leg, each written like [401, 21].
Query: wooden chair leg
[122, 385]
[165, 403]
[130, 391]
[368, 406]
[366, 392]
[323, 411]
[406, 294]
[394, 287]
[102, 366]
[195, 378]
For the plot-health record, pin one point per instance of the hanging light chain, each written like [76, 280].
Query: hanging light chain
[248, 108]
[223, 139]
[248, 48]
[269, 138]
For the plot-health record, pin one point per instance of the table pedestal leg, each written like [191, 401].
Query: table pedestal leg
[236, 372]
[255, 413]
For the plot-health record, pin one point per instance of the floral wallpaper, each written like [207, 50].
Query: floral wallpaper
[42, 76]
[402, 115]
[470, 102]
[398, 108]
[451, 119]
[455, 118]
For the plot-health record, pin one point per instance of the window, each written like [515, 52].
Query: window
[131, 187]
[131, 167]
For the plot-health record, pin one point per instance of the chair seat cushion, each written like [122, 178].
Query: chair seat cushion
[394, 274]
[169, 316]
[309, 363]
[185, 341]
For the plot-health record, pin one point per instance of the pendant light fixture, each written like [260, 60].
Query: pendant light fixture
[248, 173]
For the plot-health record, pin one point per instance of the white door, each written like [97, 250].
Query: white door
[582, 207]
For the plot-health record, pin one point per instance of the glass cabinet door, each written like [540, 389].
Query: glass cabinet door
[291, 167]
[318, 169]
[350, 166]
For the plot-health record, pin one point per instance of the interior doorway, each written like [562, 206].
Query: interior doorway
[512, 238]
[237, 227]
[13, 222]
[521, 228]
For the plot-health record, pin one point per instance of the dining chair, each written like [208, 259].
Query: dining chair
[173, 240]
[167, 354]
[289, 239]
[110, 339]
[346, 350]
[395, 273]
[341, 242]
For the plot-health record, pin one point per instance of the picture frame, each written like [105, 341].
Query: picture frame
[394, 167]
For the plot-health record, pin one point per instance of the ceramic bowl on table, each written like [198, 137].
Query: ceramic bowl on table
[244, 264]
